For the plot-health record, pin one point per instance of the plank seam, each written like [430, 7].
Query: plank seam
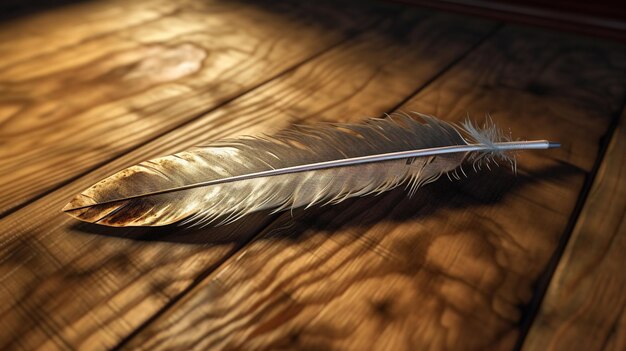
[186, 122]
[451, 64]
[543, 282]
[205, 274]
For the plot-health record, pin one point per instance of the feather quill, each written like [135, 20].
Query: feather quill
[306, 165]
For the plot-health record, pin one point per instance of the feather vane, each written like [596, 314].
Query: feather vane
[303, 166]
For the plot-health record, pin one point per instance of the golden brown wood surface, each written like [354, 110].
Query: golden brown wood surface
[89, 88]
[31, 38]
[68, 110]
[584, 308]
[118, 283]
[447, 270]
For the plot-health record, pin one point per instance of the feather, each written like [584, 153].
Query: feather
[306, 165]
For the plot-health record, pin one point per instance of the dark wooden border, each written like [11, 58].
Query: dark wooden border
[597, 20]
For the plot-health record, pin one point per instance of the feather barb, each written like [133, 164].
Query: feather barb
[307, 165]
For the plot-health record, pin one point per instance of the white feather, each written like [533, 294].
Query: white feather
[302, 166]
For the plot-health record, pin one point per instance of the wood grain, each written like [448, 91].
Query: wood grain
[119, 283]
[71, 25]
[448, 269]
[70, 110]
[584, 308]
[540, 85]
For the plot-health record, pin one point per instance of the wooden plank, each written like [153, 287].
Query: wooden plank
[537, 90]
[69, 285]
[448, 269]
[64, 113]
[74, 24]
[584, 308]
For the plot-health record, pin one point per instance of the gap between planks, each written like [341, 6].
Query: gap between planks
[543, 283]
[275, 218]
[122, 345]
[192, 119]
[218, 70]
[422, 76]
[474, 47]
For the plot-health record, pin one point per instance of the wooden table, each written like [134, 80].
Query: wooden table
[498, 261]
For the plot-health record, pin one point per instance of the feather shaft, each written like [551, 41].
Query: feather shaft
[501, 146]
